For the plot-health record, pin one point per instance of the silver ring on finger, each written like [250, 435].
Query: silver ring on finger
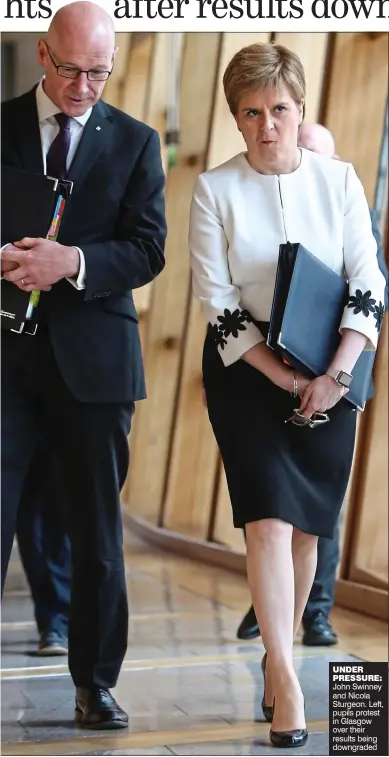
[23, 282]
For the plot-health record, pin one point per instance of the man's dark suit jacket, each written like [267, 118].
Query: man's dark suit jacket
[117, 217]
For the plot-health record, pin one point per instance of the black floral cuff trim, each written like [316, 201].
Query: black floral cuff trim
[363, 303]
[379, 312]
[230, 325]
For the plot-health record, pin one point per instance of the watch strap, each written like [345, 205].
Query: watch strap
[341, 377]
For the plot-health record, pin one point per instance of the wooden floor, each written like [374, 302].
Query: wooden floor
[190, 686]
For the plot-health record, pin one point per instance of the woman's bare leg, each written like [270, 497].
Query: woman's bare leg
[270, 573]
[304, 553]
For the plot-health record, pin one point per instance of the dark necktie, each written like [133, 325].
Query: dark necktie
[58, 152]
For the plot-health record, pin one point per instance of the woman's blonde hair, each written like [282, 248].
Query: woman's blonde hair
[261, 66]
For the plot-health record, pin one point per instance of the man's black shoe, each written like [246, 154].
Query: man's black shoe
[318, 632]
[52, 644]
[97, 709]
[249, 628]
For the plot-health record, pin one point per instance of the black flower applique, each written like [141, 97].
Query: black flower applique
[379, 311]
[214, 331]
[362, 303]
[230, 325]
[217, 336]
[244, 315]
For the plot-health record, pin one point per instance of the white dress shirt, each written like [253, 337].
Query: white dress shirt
[239, 218]
[49, 128]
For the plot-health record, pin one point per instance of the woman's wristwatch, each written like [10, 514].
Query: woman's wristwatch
[341, 377]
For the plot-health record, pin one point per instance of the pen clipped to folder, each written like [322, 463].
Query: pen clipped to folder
[52, 234]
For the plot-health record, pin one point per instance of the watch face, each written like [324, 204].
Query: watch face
[344, 379]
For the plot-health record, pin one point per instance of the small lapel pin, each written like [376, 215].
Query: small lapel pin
[98, 128]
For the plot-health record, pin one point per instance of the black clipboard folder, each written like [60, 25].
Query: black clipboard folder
[33, 205]
[308, 303]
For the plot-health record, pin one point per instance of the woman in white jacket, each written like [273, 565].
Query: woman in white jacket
[286, 486]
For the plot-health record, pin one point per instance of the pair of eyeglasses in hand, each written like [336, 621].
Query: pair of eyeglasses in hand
[301, 420]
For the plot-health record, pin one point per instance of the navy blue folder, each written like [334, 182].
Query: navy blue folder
[308, 303]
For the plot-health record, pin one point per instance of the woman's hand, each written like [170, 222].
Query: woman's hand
[287, 382]
[320, 395]
[302, 383]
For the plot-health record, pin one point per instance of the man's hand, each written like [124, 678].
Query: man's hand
[320, 395]
[8, 265]
[40, 263]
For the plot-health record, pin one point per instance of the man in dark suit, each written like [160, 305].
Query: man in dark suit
[77, 379]
[318, 630]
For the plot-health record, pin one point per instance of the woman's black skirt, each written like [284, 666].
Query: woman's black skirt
[276, 469]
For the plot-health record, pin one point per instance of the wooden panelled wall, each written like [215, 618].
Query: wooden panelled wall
[176, 479]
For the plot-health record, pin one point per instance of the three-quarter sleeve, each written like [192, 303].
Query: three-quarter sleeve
[364, 310]
[232, 327]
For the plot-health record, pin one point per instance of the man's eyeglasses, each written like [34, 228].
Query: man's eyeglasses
[70, 72]
[301, 420]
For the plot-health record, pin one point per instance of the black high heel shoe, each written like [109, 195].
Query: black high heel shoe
[288, 739]
[267, 709]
